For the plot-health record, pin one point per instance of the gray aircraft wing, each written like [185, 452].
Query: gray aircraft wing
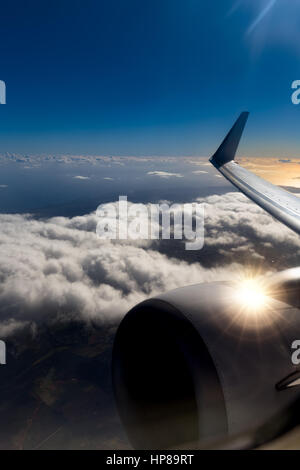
[281, 204]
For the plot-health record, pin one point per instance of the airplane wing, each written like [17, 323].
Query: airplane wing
[281, 204]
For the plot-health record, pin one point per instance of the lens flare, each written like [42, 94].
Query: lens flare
[253, 306]
[261, 15]
[252, 295]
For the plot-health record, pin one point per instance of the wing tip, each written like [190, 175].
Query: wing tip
[227, 150]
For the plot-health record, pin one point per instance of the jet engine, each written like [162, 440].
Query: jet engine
[211, 363]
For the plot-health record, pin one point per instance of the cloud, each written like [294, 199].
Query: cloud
[58, 268]
[198, 172]
[108, 178]
[3, 185]
[282, 160]
[199, 162]
[81, 177]
[234, 225]
[164, 174]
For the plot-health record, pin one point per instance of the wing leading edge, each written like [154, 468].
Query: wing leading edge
[281, 204]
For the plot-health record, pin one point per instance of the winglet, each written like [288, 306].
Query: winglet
[227, 150]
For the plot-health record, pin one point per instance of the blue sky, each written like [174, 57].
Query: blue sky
[151, 77]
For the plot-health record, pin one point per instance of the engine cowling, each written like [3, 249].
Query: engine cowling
[197, 365]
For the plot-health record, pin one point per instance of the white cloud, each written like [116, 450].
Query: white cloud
[59, 266]
[164, 174]
[81, 177]
[199, 162]
[233, 222]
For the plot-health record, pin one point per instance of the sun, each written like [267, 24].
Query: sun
[252, 305]
[251, 295]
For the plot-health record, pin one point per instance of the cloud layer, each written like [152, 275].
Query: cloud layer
[58, 267]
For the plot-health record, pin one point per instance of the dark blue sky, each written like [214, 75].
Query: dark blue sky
[148, 77]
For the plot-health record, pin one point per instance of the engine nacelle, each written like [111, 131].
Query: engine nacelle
[204, 363]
